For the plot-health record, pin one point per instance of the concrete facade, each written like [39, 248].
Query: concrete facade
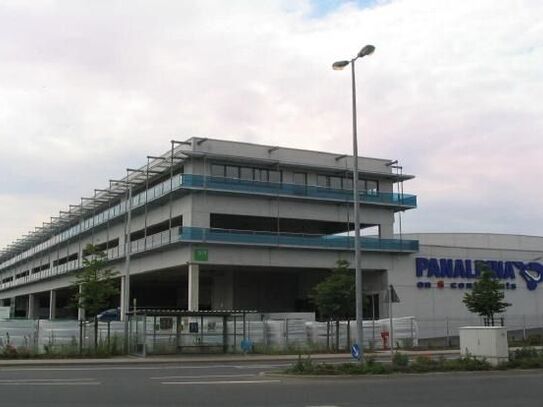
[216, 225]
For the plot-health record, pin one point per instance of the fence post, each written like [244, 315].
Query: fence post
[524, 337]
[447, 328]
[328, 334]
[286, 333]
[412, 333]
[108, 336]
[337, 335]
[80, 337]
[348, 334]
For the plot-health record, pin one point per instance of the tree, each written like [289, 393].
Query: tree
[486, 297]
[94, 285]
[334, 297]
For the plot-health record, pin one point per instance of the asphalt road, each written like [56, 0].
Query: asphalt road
[242, 384]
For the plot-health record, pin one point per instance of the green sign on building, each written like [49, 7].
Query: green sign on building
[200, 255]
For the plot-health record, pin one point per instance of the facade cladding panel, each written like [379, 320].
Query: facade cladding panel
[226, 225]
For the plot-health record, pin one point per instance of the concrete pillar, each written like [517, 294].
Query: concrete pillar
[386, 230]
[80, 311]
[123, 303]
[194, 286]
[52, 304]
[31, 309]
[12, 307]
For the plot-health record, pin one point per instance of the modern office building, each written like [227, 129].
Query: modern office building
[219, 225]
[215, 224]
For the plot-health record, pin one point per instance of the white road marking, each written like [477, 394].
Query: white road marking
[224, 382]
[51, 384]
[83, 379]
[201, 376]
[90, 369]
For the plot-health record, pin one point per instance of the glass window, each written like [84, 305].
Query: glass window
[347, 183]
[372, 187]
[335, 182]
[217, 170]
[232, 172]
[361, 185]
[322, 181]
[275, 176]
[300, 178]
[247, 173]
[261, 175]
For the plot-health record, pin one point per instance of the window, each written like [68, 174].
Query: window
[275, 176]
[372, 187]
[335, 182]
[247, 173]
[348, 183]
[300, 178]
[217, 170]
[261, 175]
[322, 181]
[232, 172]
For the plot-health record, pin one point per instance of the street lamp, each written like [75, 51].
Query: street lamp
[365, 51]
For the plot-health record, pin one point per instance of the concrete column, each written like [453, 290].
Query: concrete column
[80, 311]
[123, 303]
[386, 230]
[31, 309]
[194, 286]
[52, 304]
[12, 307]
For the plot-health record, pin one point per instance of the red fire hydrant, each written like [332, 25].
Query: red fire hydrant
[384, 337]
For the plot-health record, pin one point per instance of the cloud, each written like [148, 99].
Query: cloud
[453, 91]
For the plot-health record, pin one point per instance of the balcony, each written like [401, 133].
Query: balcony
[403, 201]
[230, 236]
[294, 239]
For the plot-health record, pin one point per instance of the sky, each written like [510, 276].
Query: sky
[454, 91]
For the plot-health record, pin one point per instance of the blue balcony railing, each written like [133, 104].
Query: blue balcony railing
[294, 239]
[240, 185]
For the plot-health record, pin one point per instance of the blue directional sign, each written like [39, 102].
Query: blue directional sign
[246, 345]
[355, 351]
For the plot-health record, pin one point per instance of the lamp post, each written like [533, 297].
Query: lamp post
[365, 51]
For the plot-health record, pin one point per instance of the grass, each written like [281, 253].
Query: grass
[525, 358]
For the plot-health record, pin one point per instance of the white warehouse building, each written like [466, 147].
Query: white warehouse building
[222, 225]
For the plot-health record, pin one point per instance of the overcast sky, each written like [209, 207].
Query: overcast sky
[454, 91]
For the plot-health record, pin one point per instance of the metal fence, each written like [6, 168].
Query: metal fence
[67, 337]
[168, 335]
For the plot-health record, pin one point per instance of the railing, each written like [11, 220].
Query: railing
[216, 183]
[240, 185]
[231, 236]
[294, 239]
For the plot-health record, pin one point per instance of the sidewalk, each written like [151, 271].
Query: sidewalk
[229, 358]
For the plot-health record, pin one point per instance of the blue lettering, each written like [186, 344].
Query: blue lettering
[453, 285]
[421, 265]
[497, 268]
[446, 266]
[459, 270]
[469, 270]
[433, 268]
[508, 271]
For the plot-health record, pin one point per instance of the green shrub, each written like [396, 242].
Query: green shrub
[400, 360]
[467, 363]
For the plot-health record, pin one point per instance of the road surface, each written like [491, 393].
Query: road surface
[243, 384]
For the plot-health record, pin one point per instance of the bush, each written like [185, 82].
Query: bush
[400, 360]
[467, 363]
